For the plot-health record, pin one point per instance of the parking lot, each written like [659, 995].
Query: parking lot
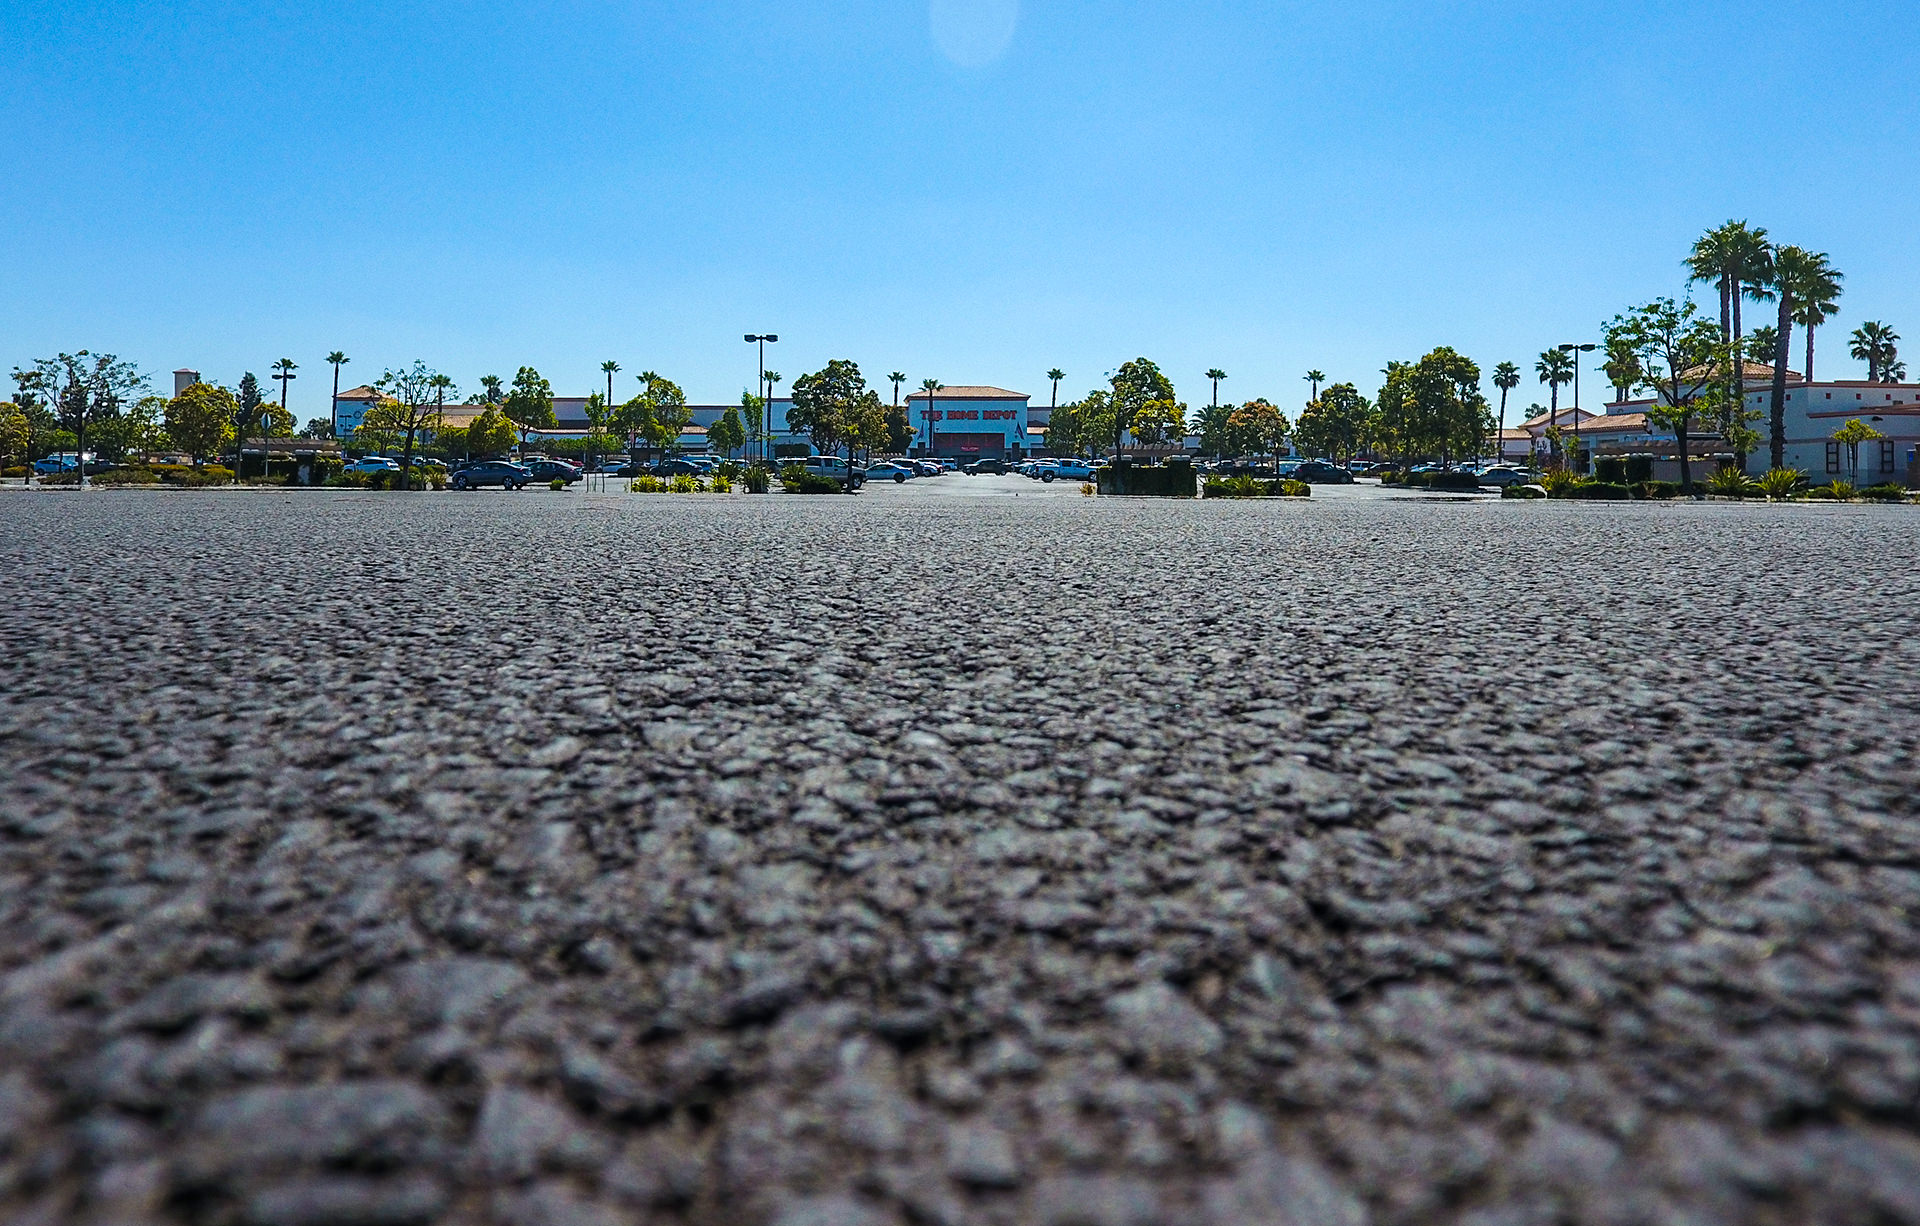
[1028, 857]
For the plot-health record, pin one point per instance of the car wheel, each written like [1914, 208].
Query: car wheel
[1046, 478]
[899, 478]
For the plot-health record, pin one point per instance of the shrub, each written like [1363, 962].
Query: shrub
[1286, 487]
[1886, 492]
[128, 476]
[1560, 483]
[1522, 491]
[685, 483]
[349, 481]
[18, 470]
[557, 484]
[1844, 491]
[720, 483]
[797, 480]
[1391, 476]
[1611, 469]
[1601, 491]
[729, 470]
[1658, 489]
[1781, 482]
[1731, 483]
[758, 480]
[1638, 469]
[646, 483]
[1088, 489]
[1451, 481]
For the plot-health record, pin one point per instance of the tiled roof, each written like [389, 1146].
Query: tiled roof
[1614, 422]
[970, 392]
[360, 393]
[1565, 414]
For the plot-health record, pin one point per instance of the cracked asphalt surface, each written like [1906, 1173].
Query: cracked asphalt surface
[557, 859]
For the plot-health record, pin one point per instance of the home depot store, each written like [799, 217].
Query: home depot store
[969, 423]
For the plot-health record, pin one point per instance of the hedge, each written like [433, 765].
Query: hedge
[1602, 491]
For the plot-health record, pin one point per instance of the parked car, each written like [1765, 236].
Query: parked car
[55, 464]
[926, 468]
[503, 473]
[678, 468]
[991, 465]
[1072, 470]
[551, 470]
[1501, 474]
[899, 474]
[1319, 472]
[833, 466]
[372, 464]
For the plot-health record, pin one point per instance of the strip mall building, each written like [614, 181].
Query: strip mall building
[969, 423]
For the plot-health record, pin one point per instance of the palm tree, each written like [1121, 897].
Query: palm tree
[1874, 343]
[283, 371]
[1054, 376]
[492, 385]
[1711, 260]
[1555, 369]
[1314, 379]
[1796, 277]
[897, 378]
[930, 386]
[609, 368]
[1817, 301]
[1506, 377]
[1216, 374]
[338, 359]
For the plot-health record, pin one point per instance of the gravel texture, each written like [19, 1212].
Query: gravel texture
[556, 859]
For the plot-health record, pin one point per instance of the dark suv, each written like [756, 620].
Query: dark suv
[503, 473]
[1319, 472]
[981, 468]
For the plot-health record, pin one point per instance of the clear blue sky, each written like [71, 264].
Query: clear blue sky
[971, 190]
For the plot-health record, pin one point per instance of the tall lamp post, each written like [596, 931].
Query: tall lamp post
[1576, 351]
[766, 405]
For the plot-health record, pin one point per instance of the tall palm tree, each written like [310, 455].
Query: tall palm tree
[1054, 376]
[930, 386]
[1796, 278]
[1216, 374]
[1555, 369]
[1314, 379]
[491, 384]
[337, 359]
[1875, 344]
[283, 371]
[1818, 298]
[897, 378]
[609, 369]
[1711, 260]
[1506, 377]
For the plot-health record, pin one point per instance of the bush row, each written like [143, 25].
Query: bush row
[1253, 487]
[1431, 481]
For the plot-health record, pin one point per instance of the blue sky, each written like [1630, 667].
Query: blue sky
[973, 190]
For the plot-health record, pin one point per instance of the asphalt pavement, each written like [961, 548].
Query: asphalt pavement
[928, 857]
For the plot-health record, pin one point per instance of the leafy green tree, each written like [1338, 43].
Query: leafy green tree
[1079, 427]
[1334, 422]
[1854, 433]
[669, 411]
[491, 433]
[1258, 425]
[835, 408]
[899, 431]
[1160, 423]
[412, 404]
[728, 434]
[1136, 385]
[634, 419]
[317, 428]
[86, 391]
[1878, 346]
[529, 404]
[200, 420]
[753, 416]
[1682, 360]
[15, 434]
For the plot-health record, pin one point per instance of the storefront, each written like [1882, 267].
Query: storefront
[969, 423]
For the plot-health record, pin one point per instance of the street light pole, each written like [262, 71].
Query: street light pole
[1576, 351]
[766, 400]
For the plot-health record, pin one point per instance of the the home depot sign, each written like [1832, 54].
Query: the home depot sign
[975, 414]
